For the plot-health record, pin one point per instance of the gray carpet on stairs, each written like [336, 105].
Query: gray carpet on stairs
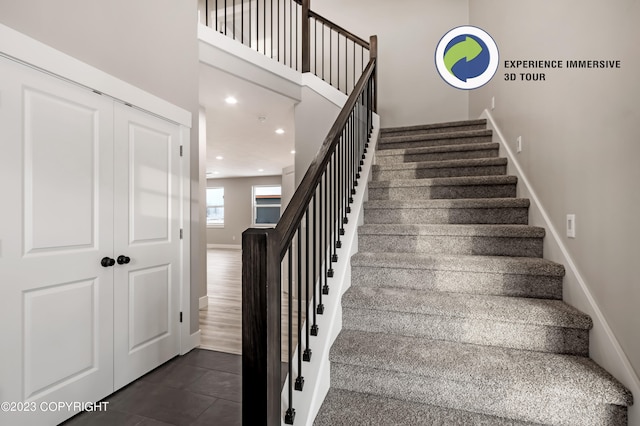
[453, 316]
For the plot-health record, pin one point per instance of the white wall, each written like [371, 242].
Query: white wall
[314, 116]
[580, 130]
[238, 205]
[411, 91]
[151, 44]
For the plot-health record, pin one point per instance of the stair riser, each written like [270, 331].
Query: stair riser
[386, 144]
[436, 156]
[443, 192]
[426, 173]
[517, 216]
[545, 287]
[448, 244]
[413, 132]
[503, 400]
[469, 330]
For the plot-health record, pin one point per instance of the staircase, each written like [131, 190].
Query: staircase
[453, 316]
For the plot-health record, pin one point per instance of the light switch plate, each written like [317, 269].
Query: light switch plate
[571, 225]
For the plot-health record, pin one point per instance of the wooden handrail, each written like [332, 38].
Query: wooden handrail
[334, 26]
[339, 29]
[293, 214]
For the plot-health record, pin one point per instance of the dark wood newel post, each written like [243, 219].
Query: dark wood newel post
[261, 328]
[373, 52]
[306, 37]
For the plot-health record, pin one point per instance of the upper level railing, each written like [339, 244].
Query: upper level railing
[289, 32]
[305, 244]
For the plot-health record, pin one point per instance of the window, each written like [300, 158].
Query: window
[215, 207]
[267, 201]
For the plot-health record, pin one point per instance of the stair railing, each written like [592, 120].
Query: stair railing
[289, 32]
[305, 242]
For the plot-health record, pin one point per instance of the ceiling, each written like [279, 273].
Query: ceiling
[244, 134]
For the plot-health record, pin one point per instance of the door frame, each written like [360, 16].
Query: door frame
[28, 51]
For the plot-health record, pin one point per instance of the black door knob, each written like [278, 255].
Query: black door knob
[123, 260]
[107, 261]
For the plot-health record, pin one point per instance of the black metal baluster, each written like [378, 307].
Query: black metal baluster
[291, 413]
[300, 379]
[225, 17]
[314, 276]
[233, 9]
[250, 25]
[315, 47]
[242, 22]
[361, 137]
[271, 28]
[297, 46]
[278, 25]
[346, 65]
[323, 241]
[322, 54]
[330, 58]
[291, 34]
[354, 66]
[333, 211]
[354, 126]
[339, 210]
[345, 177]
[257, 26]
[264, 27]
[338, 59]
[216, 24]
[306, 356]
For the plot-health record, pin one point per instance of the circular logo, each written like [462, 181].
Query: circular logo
[467, 57]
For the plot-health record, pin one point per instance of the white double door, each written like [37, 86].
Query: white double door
[83, 179]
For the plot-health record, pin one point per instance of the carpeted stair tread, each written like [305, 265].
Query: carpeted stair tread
[347, 408]
[517, 310]
[438, 149]
[387, 141]
[508, 231]
[476, 203]
[538, 374]
[448, 211]
[481, 264]
[446, 181]
[445, 126]
[470, 162]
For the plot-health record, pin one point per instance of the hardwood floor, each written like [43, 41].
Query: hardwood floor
[221, 323]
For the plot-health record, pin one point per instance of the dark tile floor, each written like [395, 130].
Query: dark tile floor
[200, 388]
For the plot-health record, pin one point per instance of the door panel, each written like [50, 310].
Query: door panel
[150, 180]
[147, 231]
[60, 145]
[149, 306]
[60, 345]
[56, 181]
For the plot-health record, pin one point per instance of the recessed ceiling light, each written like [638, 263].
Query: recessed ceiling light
[216, 173]
[261, 170]
[293, 151]
[231, 100]
[279, 131]
[219, 157]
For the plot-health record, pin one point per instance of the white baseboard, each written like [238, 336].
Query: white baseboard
[225, 246]
[604, 348]
[203, 303]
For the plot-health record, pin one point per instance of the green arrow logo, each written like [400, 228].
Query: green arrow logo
[469, 48]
